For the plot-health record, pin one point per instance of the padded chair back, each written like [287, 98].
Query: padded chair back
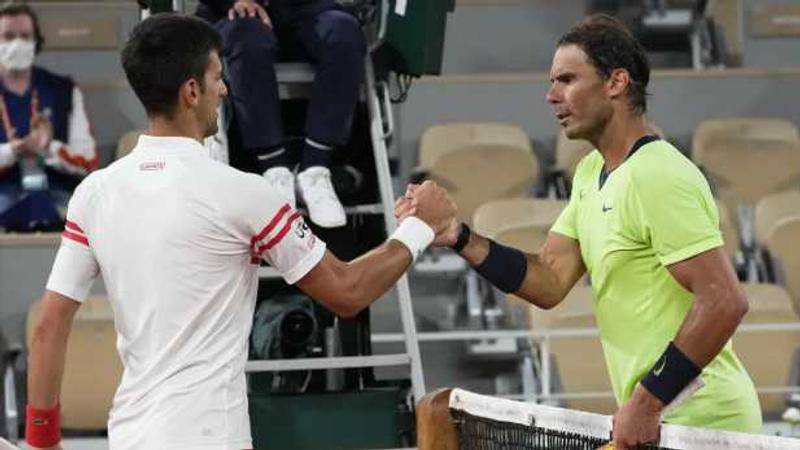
[767, 355]
[478, 163]
[782, 243]
[772, 209]
[738, 128]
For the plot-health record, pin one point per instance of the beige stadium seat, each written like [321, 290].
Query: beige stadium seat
[522, 222]
[782, 244]
[569, 152]
[767, 355]
[772, 209]
[730, 235]
[127, 142]
[741, 128]
[744, 171]
[479, 162]
[93, 369]
[580, 360]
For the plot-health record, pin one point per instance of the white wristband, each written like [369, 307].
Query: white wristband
[414, 234]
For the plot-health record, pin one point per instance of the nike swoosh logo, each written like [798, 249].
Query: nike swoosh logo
[657, 371]
[607, 209]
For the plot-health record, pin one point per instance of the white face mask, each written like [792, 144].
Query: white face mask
[17, 54]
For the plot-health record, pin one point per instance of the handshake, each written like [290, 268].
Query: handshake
[432, 204]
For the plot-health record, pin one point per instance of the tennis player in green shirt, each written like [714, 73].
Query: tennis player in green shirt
[642, 222]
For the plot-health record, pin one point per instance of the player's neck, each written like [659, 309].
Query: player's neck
[618, 137]
[178, 126]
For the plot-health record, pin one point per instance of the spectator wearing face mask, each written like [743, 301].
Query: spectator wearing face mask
[46, 147]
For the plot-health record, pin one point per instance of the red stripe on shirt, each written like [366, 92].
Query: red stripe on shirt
[76, 237]
[74, 227]
[79, 160]
[272, 223]
[274, 241]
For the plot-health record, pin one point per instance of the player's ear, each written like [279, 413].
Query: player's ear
[618, 82]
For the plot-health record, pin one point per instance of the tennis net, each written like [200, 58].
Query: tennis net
[479, 422]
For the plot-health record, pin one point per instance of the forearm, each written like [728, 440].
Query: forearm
[709, 325]
[374, 273]
[540, 286]
[46, 364]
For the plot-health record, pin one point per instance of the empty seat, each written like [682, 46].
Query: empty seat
[92, 368]
[522, 223]
[782, 244]
[479, 162]
[742, 171]
[772, 209]
[579, 360]
[730, 235]
[767, 355]
[742, 128]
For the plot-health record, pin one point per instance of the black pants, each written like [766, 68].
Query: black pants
[330, 38]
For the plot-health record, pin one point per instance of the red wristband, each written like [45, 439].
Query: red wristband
[43, 426]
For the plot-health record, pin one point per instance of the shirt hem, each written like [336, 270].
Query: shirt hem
[692, 250]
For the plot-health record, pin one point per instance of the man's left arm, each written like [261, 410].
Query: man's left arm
[718, 308]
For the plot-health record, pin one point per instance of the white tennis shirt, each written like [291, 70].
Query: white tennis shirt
[176, 237]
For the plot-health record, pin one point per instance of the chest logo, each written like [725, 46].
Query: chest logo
[607, 208]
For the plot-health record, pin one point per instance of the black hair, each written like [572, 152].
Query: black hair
[609, 45]
[162, 53]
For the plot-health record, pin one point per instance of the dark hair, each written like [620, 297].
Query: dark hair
[18, 9]
[609, 46]
[163, 52]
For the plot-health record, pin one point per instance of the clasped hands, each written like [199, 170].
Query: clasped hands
[432, 204]
[37, 142]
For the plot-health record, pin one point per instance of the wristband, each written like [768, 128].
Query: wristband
[672, 372]
[463, 238]
[415, 234]
[43, 426]
[504, 267]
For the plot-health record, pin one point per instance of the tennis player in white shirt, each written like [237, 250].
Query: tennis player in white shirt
[177, 239]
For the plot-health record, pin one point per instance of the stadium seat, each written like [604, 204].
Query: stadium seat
[521, 222]
[772, 209]
[580, 362]
[767, 355]
[738, 128]
[742, 171]
[782, 246]
[730, 234]
[93, 369]
[479, 162]
[127, 142]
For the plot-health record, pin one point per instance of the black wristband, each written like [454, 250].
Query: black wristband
[463, 238]
[504, 267]
[672, 372]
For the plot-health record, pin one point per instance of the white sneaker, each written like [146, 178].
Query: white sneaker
[282, 179]
[316, 189]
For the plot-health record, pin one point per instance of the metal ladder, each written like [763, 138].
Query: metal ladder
[293, 80]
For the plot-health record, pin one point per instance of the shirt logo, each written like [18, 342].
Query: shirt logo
[152, 165]
[607, 208]
[657, 371]
[301, 229]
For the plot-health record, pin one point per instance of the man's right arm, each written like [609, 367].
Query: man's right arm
[549, 274]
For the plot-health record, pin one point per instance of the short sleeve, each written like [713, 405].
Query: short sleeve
[75, 267]
[678, 213]
[566, 223]
[279, 234]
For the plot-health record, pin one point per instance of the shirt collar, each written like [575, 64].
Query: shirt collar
[170, 145]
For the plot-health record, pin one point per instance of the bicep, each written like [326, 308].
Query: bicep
[708, 272]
